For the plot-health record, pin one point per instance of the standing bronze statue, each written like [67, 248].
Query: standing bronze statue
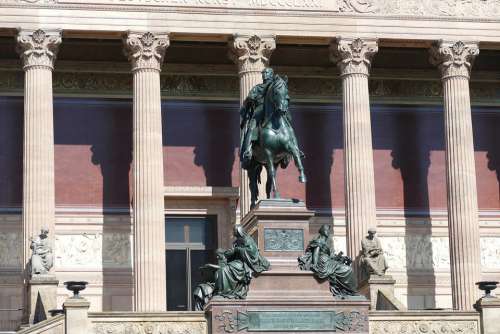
[268, 138]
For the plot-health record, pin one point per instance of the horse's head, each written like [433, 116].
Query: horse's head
[279, 94]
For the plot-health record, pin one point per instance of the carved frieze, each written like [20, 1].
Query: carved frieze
[490, 252]
[416, 252]
[38, 47]
[308, 88]
[93, 250]
[453, 59]
[424, 326]
[139, 327]
[353, 56]
[251, 53]
[146, 50]
[10, 250]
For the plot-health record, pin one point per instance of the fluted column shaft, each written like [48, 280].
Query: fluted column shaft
[38, 51]
[251, 54]
[146, 52]
[353, 58]
[454, 61]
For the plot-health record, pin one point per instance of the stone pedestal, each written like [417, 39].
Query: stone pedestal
[490, 315]
[42, 297]
[286, 316]
[285, 299]
[380, 291]
[281, 229]
[77, 317]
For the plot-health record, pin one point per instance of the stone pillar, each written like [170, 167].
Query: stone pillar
[76, 310]
[146, 52]
[38, 50]
[251, 54]
[490, 313]
[353, 58]
[454, 61]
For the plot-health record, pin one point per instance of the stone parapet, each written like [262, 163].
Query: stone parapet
[147, 322]
[423, 322]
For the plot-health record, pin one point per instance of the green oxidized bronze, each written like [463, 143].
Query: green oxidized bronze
[325, 264]
[231, 276]
[268, 138]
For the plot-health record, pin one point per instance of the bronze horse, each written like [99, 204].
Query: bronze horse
[276, 142]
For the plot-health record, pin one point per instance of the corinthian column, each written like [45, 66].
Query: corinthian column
[353, 58]
[454, 61]
[145, 52]
[251, 54]
[38, 51]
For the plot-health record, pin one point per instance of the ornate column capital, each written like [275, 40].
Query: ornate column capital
[38, 47]
[145, 50]
[453, 59]
[251, 53]
[353, 55]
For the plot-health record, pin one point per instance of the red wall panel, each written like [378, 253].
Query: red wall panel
[200, 143]
[93, 152]
[93, 146]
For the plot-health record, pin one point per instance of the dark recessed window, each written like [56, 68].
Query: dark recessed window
[189, 243]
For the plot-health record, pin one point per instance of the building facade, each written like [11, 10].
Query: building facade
[119, 131]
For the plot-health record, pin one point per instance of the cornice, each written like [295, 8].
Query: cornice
[464, 10]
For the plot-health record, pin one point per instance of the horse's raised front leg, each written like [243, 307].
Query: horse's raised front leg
[271, 174]
[298, 162]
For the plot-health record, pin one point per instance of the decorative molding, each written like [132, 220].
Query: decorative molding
[226, 321]
[454, 326]
[141, 327]
[453, 59]
[38, 47]
[251, 53]
[146, 50]
[353, 56]
[383, 8]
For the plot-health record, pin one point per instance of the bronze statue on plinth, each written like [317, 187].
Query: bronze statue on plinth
[268, 138]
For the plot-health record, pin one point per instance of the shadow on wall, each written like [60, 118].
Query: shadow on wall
[319, 132]
[411, 135]
[11, 151]
[486, 122]
[203, 134]
[103, 130]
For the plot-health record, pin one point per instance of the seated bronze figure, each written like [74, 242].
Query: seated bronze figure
[233, 272]
[325, 264]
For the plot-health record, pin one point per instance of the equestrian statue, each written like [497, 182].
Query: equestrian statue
[268, 139]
